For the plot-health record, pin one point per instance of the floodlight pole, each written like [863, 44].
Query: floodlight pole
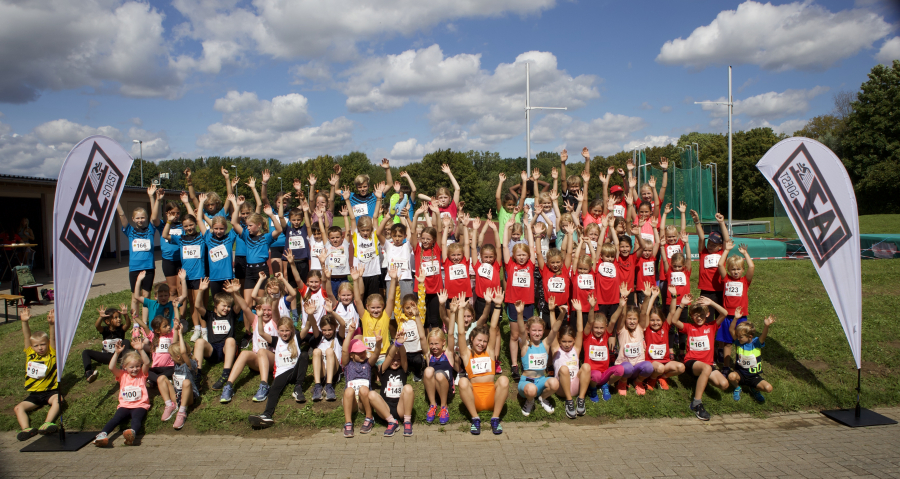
[730, 105]
[528, 109]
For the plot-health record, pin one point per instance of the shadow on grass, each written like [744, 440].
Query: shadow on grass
[785, 359]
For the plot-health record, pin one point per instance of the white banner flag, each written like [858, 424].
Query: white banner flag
[89, 186]
[817, 194]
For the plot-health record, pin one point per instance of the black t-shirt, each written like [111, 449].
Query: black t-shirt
[218, 329]
[392, 382]
[111, 336]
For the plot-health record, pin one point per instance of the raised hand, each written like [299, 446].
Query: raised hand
[632, 182]
[235, 181]
[695, 217]
[202, 197]
[160, 194]
[268, 210]
[551, 303]
[184, 197]
[654, 222]
[647, 288]
[667, 209]
[652, 182]
[524, 176]
[151, 191]
[171, 216]
[585, 153]
[204, 284]
[224, 172]
[743, 249]
[629, 164]
[592, 301]
[251, 182]
[738, 312]
[684, 237]
[729, 245]
[769, 321]
[620, 171]
[241, 200]
[442, 296]
[298, 186]
[266, 174]
[502, 177]
[610, 171]
[446, 169]
[520, 306]
[535, 174]
[664, 163]
[576, 305]
[719, 217]
[553, 173]
[563, 156]
[682, 206]
[334, 180]
[187, 174]
[385, 163]
[586, 177]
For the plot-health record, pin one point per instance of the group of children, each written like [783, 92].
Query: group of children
[410, 285]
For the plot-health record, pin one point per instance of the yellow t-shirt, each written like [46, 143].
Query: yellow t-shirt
[372, 325]
[40, 371]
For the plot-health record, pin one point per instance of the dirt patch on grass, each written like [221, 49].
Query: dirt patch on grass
[872, 369]
[891, 344]
[815, 365]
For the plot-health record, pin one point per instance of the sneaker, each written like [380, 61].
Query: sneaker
[570, 409]
[348, 430]
[217, 386]
[432, 412]
[180, 418]
[444, 416]
[29, 433]
[514, 372]
[367, 426]
[329, 392]
[663, 384]
[622, 387]
[475, 428]
[203, 334]
[649, 385]
[48, 428]
[545, 404]
[195, 336]
[227, 393]
[736, 394]
[407, 429]
[298, 394]
[757, 396]
[262, 393]
[317, 392]
[639, 388]
[498, 369]
[261, 421]
[456, 381]
[167, 413]
[91, 376]
[605, 390]
[579, 407]
[528, 407]
[129, 437]
[245, 342]
[496, 428]
[417, 378]
[701, 413]
[102, 440]
[391, 429]
[592, 394]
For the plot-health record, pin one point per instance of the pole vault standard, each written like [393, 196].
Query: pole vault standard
[528, 109]
[730, 105]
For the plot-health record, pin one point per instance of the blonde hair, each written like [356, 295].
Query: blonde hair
[130, 357]
[591, 227]
[544, 198]
[361, 179]
[436, 333]
[138, 210]
[377, 297]
[364, 222]
[574, 180]
[677, 258]
[584, 261]
[41, 336]
[566, 218]
[344, 286]
[554, 253]
[213, 198]
[442, 190]
[244, 206]
[260, 220]
[608, 249]
[455, 248]
[733, 261]
[175, 349]
[292, 347]
[521, 247]
[219, 220]
[532, 321]
[745, 329]
[517, 229]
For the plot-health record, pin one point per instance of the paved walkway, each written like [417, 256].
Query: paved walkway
[786, 445]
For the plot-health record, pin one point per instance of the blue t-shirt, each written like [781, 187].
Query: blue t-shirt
[257, 246]
[219, 213]
[363, 205]
[155, 309]
[279, 241]
[219, 255]
[240, 248]
[140, 247]
[298, 241]
[170, 251]
[193, 250]
[749, 358]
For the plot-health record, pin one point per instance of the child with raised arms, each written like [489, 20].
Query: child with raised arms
[487, 267]
[337, 253]
[134, 402]
[326, 353]
[323, 203]
[240, 247]
[597, 332]
[344, 305]
[193, 260]
[645, 264]
[257, 238]
[632, 351]
[40, 376]
[363, 201]
[519, 287]
[447, 205]
[357, 365]
[262, 356]
[656, 341]
[157, 339]
[607, 291]
[112, 324]
[534, 385]
[364, 245]
[395, 400]
[428, 260]
[674, 238]
[508, 206]
[736, 294]
[296, 241]
[572, 184]
[441, 368]
[409, 322]
[287, 370]
[170, 253]
[573, 379]
[677, 272]
[749, 362]
[219, 345]
[141, 239]
[280, 292]
[455, 260]
[376, 317]
[710, 282]
[181, 392]
[583, 279]
[478, 390]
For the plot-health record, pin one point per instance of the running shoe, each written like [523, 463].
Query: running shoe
[317, 392]
[737, 393]
[639, 388]
[701, 413]
[227, 393]
[475, 428]
[756, 395]
[167, 413]
[579, 407]
[262, 393]
[432, 412]
[195, 336]
[367, 426]
[102, 440]
[180, 418]
[444, 416]
[545, 404]
[592, 394]
[348, 430]
[391, 429]
[514, 373]
[219, 383]
[203, 334]
[605, 390]
[498, 369]
[649, 384]
[663, 384]
[496, 427]
[329, 392]
[91, 375]
[298, 394]
[26, 434]
[407, 429]
[622, 387]
[261, 421]
[528, 407]
[570, 409]
[129, 437]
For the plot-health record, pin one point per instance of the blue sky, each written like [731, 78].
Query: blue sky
[292, 80]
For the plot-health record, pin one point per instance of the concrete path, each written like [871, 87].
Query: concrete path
[785, 445]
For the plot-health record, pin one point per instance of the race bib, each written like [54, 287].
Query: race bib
[678, 279]
[537, 362]
[296, 242]
[699, 343]
[598, 353]
[480, 365]
[711, 261]
[632, 350]
[337, 259]
[647, 237]
[36, 370]
[410, 333]
[401, 265]
[486, 271]
[734, 288]
[672, 249]
[586, 281]
[109, 345]
[361, 209]
[457, 271]
[176, 232]
[572, 364]
[178, 381]
[648, 268]
[358, 383]
[556, 285]
[317, 250]
[191, 251]
[221, 326]
[131, 393]
[218, 253]
[431, 268]
[657, 351]
[369, 341]
[163, 346]
[261, 343]
[607, 270]
[138, 244]
[366, 253]
[285, 360]
[619, 210]
[394, 388]
[521, 279]
[747, 362]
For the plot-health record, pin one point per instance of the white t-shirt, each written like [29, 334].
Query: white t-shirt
[349, 315]
[284, 362]
[315, 248]
[333, 344]
[339, 258]
[411, 342]
[400, 256]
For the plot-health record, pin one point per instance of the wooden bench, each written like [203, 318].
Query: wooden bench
[11, 298]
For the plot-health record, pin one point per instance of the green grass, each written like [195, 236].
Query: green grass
[868, 224]
[806, 359]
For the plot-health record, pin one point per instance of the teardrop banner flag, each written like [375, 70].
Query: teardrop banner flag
[817, 194]
[88, 189]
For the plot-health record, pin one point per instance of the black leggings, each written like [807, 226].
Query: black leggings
[136, 415]
[415, 363]
[89, 355]
[432, 312]
[155, 373]
[295, 376]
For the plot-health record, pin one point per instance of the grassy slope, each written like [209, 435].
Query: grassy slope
[807, 360]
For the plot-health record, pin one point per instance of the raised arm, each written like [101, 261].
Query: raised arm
[122, 218]
[276, 223]
[701, 238]
[199, 303]
[25, 316]
[729, 245]
[154, 205]
[751, 268]
[235, 216]
[765, 332]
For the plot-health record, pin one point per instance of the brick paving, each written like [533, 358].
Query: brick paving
[804, 445]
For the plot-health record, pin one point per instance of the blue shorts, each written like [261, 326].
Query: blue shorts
[539, 382]
[218, 353]
[513, 314]
[723, 334]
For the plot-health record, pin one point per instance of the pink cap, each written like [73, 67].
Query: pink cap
[615, 189]
[357, 346]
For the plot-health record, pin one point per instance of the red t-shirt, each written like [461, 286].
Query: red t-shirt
[700, 341]
[519, 282]
[620, 209]
[559, 288]
[487, 276]
[682, 282]
[625, 269]
[607, 290]
[582, 287]
[430, 259]
[596, 351]
[450, 209]
[710, 279]
[736, 295]
[671, 249]
[657, 344]
[458, 278]
[645, 270]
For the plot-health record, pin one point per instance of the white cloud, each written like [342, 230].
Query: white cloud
[889, 52]
[155, 144]
[796, 35]
[604, 135]
[665, 109]
[769, 105]
[787, 127]
[277, 128]
[650, 140]
[646, 106]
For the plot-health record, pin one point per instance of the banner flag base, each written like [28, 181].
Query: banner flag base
[71, 441]
[858, 418]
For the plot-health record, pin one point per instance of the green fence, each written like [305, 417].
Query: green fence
[689, 181]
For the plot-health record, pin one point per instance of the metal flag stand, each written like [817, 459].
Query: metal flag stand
[69, 442]
[730, 105]
[528, 109]
[858, 417]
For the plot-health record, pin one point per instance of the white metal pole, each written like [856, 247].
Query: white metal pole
[527, 121]
[730, 110]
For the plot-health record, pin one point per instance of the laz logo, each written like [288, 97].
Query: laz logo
[810, 202]
[92, 208]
